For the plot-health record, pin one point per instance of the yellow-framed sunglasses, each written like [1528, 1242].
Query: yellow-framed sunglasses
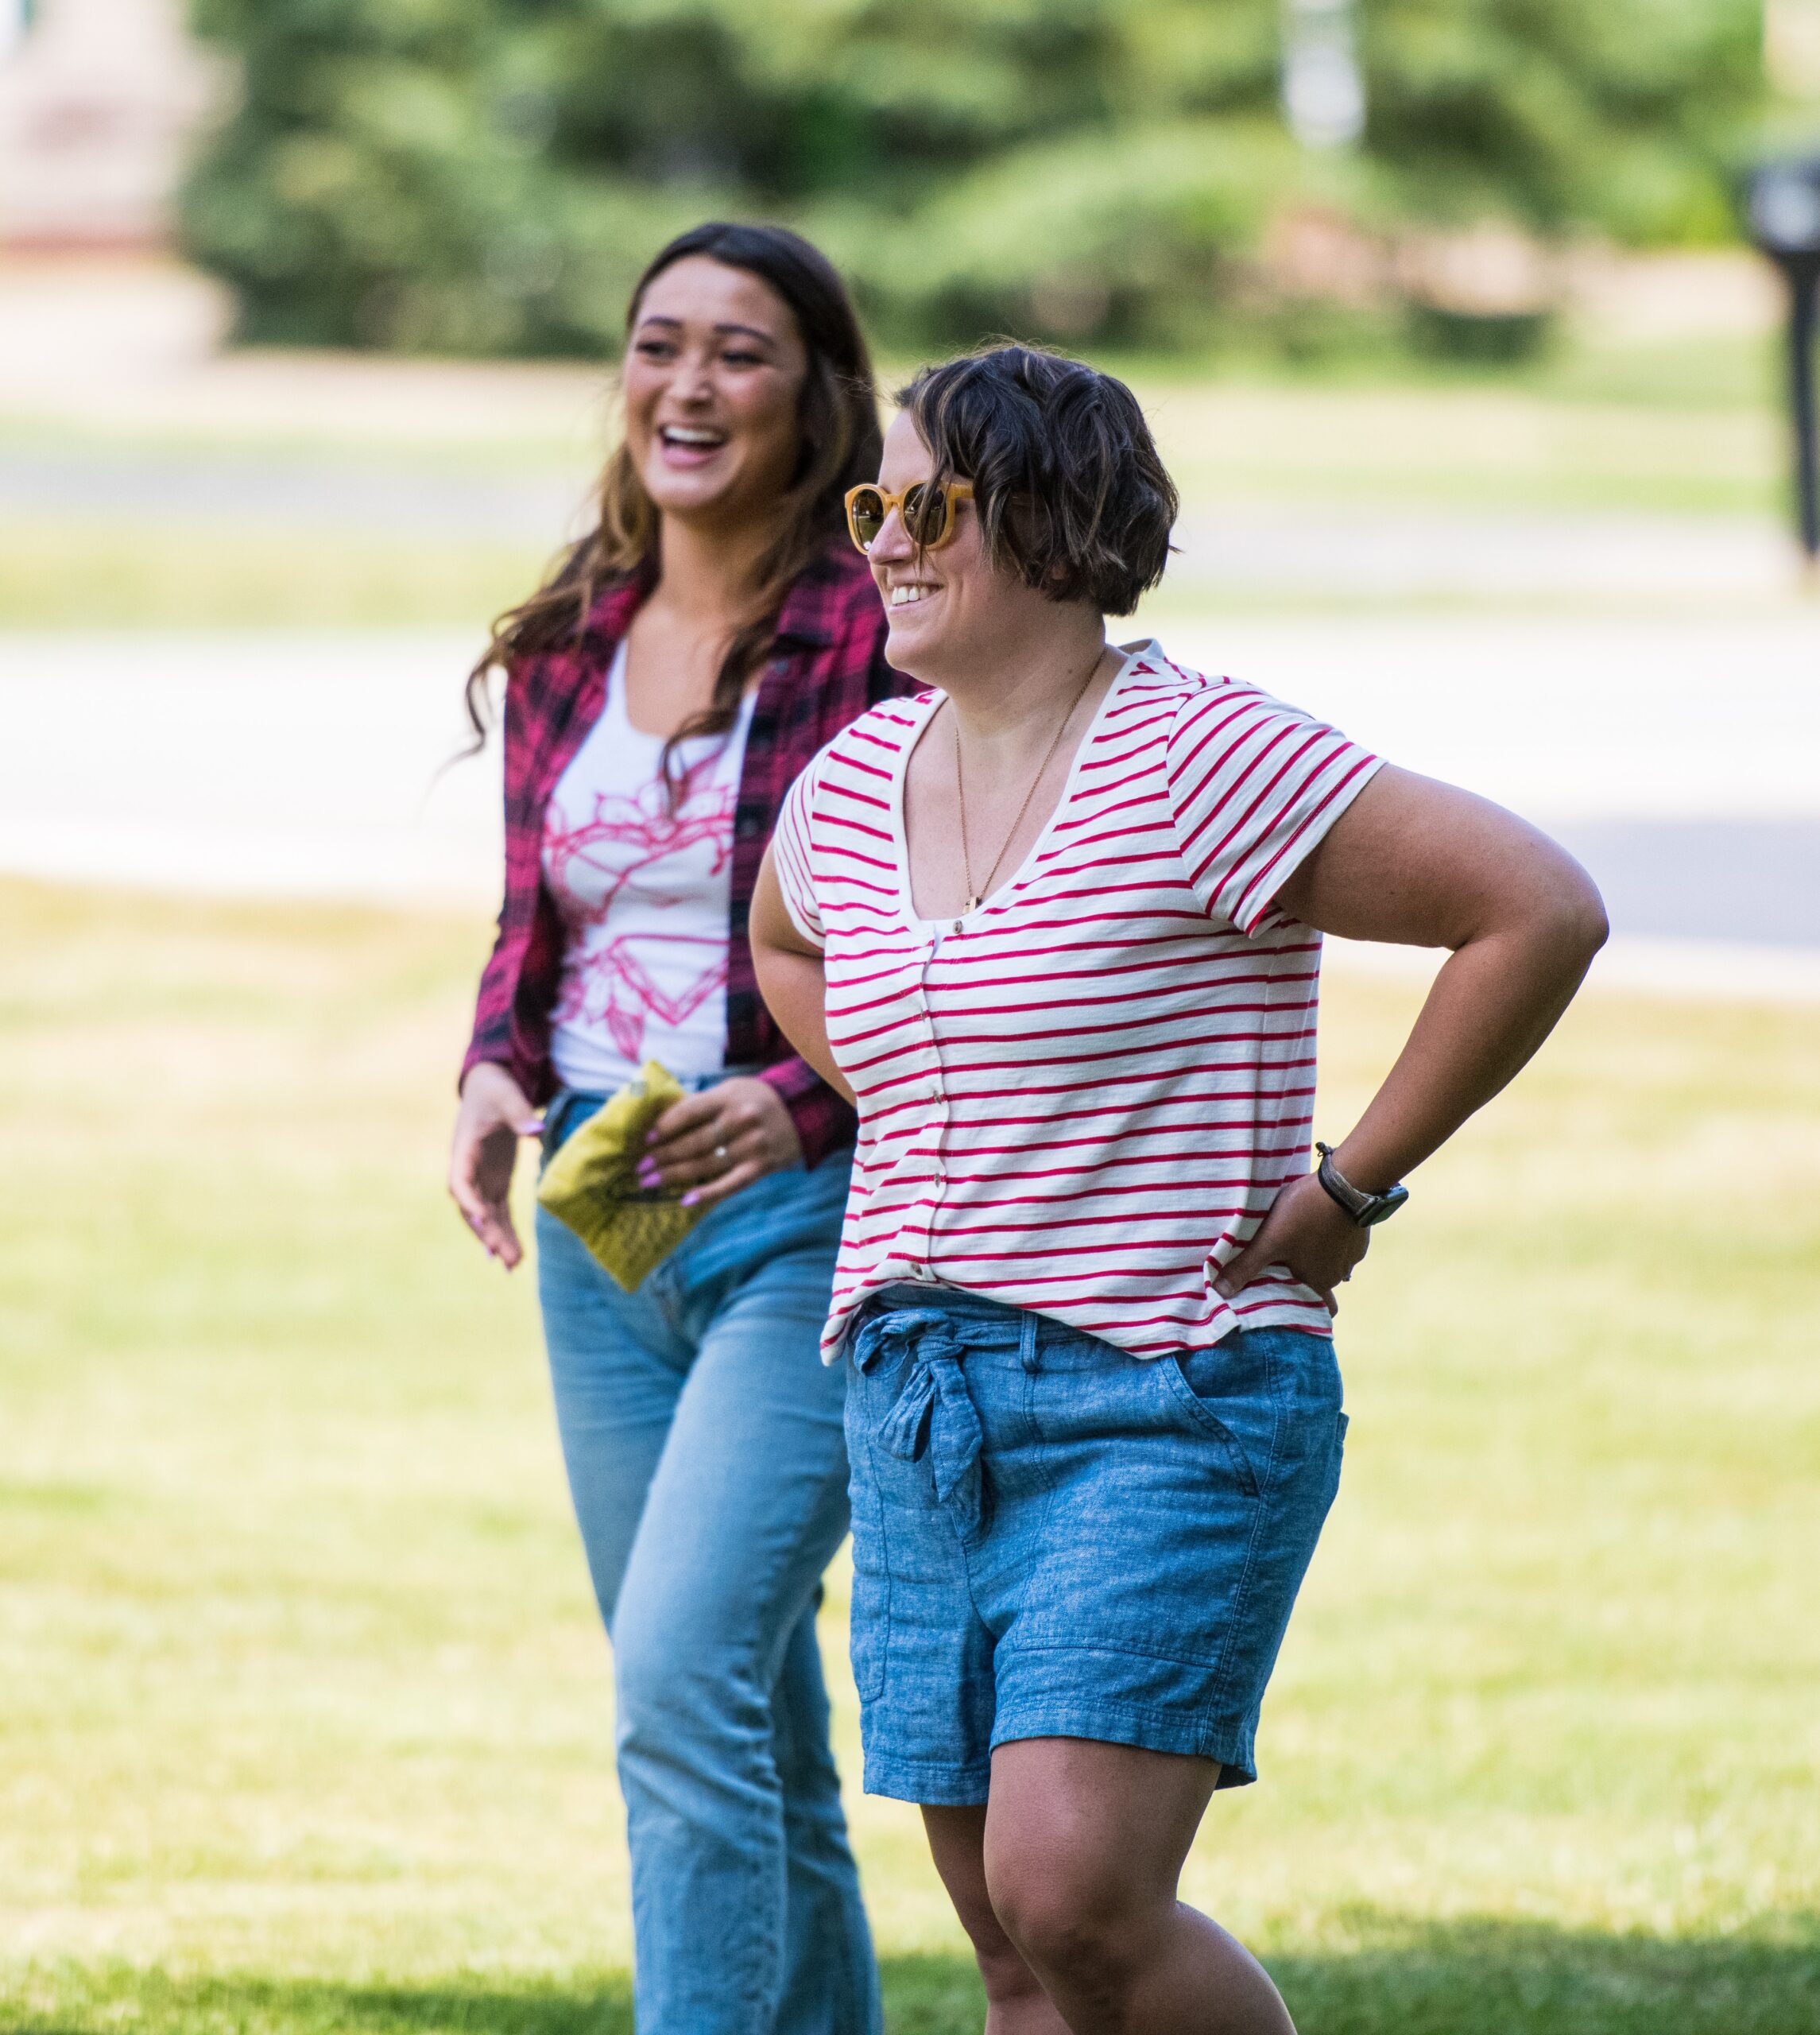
[929, 517]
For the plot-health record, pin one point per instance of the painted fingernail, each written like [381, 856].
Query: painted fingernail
[647, 1173]
[691, 1198]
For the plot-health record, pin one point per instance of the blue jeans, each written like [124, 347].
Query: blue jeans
[702, 1436]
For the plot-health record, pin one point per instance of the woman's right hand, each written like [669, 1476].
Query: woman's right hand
[1306, 1230]
[493, 1115]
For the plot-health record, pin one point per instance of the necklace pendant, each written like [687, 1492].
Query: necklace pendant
[972, 905]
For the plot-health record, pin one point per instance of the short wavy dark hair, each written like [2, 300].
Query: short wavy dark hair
[1069, 490]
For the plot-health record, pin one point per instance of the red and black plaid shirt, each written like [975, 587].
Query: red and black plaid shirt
[827, 668]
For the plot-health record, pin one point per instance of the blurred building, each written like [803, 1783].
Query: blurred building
[97, 99]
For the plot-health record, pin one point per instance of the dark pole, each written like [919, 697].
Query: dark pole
[1804, 286]
[1783, 207]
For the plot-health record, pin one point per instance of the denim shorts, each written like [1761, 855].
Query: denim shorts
[1054, 1539]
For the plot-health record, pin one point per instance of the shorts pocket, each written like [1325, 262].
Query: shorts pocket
[1201, 1416]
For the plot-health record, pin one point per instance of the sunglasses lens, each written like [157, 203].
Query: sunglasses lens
[925, 514]
[867, 515]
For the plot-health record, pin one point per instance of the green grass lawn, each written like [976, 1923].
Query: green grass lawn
[304, 1711]
[1658, 430]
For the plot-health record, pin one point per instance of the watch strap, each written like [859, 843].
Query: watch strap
[1360, 1207]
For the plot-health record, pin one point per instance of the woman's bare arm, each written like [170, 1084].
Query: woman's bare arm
[790, 977]
[1424, 864]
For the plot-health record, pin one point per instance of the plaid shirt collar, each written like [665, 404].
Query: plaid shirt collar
[801, 621]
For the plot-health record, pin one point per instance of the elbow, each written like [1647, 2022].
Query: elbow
[1572, 921]
[1595, 927]
[1552, 910]
[1588, 926]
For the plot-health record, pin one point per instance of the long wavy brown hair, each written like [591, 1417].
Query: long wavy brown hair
[839, 447]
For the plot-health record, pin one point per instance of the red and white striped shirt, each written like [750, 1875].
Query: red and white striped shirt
[1081, 1098]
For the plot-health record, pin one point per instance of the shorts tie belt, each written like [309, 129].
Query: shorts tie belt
[934, 1414]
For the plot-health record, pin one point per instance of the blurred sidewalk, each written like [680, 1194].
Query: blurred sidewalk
[1679, 759]
[1270, 551]
[1257, 552]
[279, 764]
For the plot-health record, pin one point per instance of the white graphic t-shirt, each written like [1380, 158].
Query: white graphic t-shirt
[643, 886]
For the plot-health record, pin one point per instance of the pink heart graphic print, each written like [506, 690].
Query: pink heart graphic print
[641, 881]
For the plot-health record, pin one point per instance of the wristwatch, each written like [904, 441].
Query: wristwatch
[1365, 1209]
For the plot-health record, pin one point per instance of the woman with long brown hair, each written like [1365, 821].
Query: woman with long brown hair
[663, 690]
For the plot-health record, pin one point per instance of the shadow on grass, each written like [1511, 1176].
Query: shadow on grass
[1470, 1978]
[1498, 1978]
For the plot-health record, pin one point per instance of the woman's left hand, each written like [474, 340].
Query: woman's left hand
[1309, 1232]
[711, 1145]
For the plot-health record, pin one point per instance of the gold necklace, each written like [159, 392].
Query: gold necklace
[975, 891]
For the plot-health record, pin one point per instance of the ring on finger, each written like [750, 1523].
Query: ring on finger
[720, 1153]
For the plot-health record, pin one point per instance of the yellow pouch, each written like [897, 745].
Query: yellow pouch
[591, 1185]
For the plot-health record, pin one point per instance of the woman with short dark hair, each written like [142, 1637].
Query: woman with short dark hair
[690, 655]
[1055, 923]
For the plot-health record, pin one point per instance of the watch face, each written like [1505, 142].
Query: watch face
[1388, 1205]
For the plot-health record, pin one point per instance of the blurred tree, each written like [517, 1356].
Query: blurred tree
[489, 175]
[1625, 116]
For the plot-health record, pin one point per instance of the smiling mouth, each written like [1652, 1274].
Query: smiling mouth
[689, 438]
[907, 595]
